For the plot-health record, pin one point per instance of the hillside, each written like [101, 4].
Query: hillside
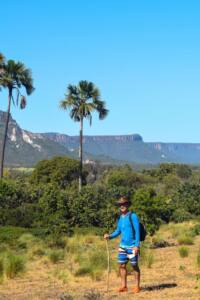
[132, 148]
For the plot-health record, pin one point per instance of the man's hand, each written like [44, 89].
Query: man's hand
[106, 236]
[136, 249]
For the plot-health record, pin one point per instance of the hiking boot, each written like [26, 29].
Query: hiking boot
[136, 290]
[123, 289]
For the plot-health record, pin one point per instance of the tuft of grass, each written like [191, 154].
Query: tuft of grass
[198, 258]
[38, 251]
[66, 297]
[26, 240]
[92, 295]
[1, 267]
[83, 270]
[182, 268]
[56, 255]
[149, 259]
[183, 252]
[185, 240]
[14, 265]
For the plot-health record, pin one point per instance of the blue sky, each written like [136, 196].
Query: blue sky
[143, 55]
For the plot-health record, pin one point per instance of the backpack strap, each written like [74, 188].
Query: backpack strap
[131, 221]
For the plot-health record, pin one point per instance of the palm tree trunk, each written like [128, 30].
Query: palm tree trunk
[5, 135]
[81, 156]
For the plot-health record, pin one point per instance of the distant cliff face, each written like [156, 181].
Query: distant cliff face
[26, 148]
[132, 148]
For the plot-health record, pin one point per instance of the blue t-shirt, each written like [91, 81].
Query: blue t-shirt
[125, 229]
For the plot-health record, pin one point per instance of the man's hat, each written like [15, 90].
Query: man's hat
[123, 200]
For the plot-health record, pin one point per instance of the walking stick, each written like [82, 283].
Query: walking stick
[108, 268]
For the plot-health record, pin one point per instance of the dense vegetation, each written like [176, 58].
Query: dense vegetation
[47, 200]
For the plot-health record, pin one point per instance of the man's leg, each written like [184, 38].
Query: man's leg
[123, 274]
[137, 275]
[122, 260]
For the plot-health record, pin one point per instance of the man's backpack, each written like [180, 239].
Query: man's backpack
[143, 231]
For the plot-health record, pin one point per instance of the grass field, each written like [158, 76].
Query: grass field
[68, 269]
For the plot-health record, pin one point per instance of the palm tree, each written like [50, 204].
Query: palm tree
[82, 100]
[2, 63]
[14, 77]
[2, 59]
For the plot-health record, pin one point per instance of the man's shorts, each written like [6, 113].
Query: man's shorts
[126, 254]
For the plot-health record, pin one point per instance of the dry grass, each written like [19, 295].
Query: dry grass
[170, 277]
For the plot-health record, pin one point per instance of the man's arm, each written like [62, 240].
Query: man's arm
[137, 229]
[115, 233]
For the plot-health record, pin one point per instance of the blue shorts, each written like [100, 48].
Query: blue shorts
[126, 254]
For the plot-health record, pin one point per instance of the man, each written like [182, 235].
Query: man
[129, 244]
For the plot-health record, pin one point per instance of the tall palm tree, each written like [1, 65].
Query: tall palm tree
[82, 100]
[14, 78]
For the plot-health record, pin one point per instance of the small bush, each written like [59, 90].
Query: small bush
[92, 295]
[198, 259]
[183, 251]
[185, 240]
[56, 255]
[14, 265]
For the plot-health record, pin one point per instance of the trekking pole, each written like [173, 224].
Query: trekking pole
[108, 268]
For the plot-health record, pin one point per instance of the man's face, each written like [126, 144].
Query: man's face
[124, 208]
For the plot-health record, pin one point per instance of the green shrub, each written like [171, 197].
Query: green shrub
[180, 215]
[185, 240]
[195, 230]
[14, 265]
[183, 252]
[56, 255]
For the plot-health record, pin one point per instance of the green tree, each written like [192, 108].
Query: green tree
[59, 170]
[14, 77]
[82, 100]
